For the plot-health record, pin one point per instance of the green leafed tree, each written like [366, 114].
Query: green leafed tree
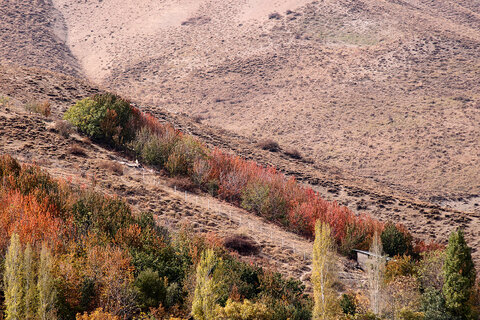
[13, 280]
[323, 275]
[459, 275]
[29, 284]
[209, 286]
[46, 287]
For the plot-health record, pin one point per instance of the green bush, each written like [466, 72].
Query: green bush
[151, 288]
[184, 155]
[93, 212]
[264, 200]
[348, 304]
[433, 305]
[394, 241]
[104, 117]
[245, 310]
[154, 148]
[406, 314]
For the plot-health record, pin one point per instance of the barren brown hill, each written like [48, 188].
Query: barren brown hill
[33, 34]
[383, 90]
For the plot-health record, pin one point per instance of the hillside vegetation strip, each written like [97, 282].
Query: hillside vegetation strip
[263, 191]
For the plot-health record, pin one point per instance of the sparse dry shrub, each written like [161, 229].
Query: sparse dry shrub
[63, 127]
[293, 153]
[4, 101]
[198, 118]
[44, 108]
[275, 15]
[154, 146]
[241, 244]
[183, 184]
[401, 266]
[269, 144]
[111, 166]
[77, 150]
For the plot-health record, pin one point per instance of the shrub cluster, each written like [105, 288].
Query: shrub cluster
[110, 263]
[261, 190]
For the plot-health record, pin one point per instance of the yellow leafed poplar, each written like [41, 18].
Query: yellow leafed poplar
[323, 275]
[30, 286]
[46, 286]
[208, 286]
[12, 279]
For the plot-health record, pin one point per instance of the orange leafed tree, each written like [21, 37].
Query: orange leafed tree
[33, 220]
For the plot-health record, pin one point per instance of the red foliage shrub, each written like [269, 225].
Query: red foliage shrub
[34, 221]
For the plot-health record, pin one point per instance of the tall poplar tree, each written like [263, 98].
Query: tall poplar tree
[459, 275]
[29, 283]
[46, 287]
[375, 271]
[323, 274]
[13, 280]
[209, 286]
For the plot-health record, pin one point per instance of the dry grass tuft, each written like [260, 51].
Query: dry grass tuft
[242, 244]
[77, 150]
[44, 108]
[63, 127]
[269, 144]
[111, 166]
[293, 153]
[183, 184]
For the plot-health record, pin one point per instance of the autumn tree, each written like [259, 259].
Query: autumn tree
[12, 279]
[209, 286]
[29, 283]
[46, 286]
[376, 270]
[459, 275]
[323, 274]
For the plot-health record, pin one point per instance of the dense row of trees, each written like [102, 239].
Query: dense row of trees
[69, 253]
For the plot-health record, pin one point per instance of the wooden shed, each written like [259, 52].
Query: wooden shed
[363, 258]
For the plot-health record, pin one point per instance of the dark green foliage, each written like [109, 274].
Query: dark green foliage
[433, 305]
[152, 289]
[88, 293]
[459, 276]
[105, 117]
[355, 238]
[394, 241]
[348, 304]
[164, 260]
[96, 213]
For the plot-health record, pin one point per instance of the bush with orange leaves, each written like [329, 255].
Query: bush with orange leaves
[98, 314]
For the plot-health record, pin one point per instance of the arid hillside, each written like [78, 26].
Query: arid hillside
[33, 34]
[381, 90]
